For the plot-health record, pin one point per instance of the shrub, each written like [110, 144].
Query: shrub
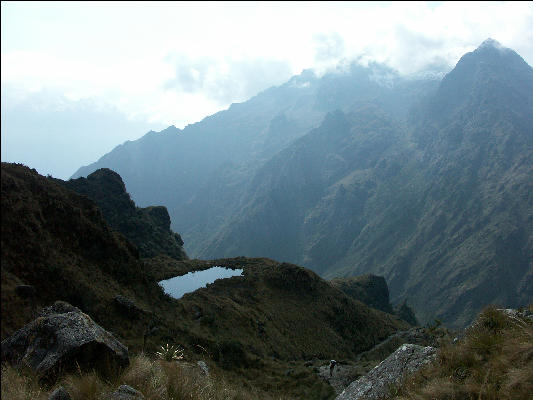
[170, 353]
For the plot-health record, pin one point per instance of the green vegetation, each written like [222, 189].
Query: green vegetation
[274, 318]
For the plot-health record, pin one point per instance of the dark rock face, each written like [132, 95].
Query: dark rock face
[369, 289]
[148, 228]
[406, 313]
[128, 306]
[61, 338]
[409, 358]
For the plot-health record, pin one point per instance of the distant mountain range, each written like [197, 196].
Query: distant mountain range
[426, 182]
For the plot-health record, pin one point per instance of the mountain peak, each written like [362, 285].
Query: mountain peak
[492, 45]
[490, 42]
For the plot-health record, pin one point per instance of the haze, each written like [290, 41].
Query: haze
[80, 78]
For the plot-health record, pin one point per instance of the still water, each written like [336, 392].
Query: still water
[180, 285]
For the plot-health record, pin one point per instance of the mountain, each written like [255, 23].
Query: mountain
[254, 326]
[148, 228]
[200, 173]
[440, 206]
[424, 182]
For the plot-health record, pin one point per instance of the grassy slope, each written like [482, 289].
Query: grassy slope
[255, 327]
[493, 361]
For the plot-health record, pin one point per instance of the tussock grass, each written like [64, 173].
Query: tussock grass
[20, 385]
[494, 361]
[156, 379]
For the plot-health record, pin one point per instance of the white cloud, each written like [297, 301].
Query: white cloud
[175, 63]
[126, 53]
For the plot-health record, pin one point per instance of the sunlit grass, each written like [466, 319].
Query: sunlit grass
[494, 361]
[156, 379]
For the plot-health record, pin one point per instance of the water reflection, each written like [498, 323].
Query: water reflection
[180, 285]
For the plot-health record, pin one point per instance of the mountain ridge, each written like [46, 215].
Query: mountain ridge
[444, 194]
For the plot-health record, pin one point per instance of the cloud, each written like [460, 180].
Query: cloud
[226, 80]
[55, 135]
[222, 53]
[328, 46]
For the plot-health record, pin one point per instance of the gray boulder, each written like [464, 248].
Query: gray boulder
[203, 366]
[125, 392]
[60, 394]
[408, 359]
[61, 339]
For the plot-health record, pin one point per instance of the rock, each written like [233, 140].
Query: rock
[61, 339]
[125, 392]
[59, 307]
[408, 359]
[203, 366]
[128, 305]
[60, 394]
[342, 376]
[308, 364]
[513, 313]
[406, 313]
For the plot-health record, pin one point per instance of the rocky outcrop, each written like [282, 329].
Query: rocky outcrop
[61, 339]
[406, 313]
[128, 306]
[369, 289]
[148, 228]
[408, 359]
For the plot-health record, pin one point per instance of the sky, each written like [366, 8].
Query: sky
[79, 78]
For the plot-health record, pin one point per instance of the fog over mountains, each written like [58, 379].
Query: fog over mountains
[427, 182]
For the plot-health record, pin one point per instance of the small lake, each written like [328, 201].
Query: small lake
[180, 285]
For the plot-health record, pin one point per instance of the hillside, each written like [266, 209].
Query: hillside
[253, 327]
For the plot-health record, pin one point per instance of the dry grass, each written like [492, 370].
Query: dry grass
[156, 379]
[494, 361]
[19, 385]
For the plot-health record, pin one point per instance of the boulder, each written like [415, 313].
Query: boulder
[407, 359]
[60, 394]
[203, 366]
[125, 392]
[61, 339]
[128, 306]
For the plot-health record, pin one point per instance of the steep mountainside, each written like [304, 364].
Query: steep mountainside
[148, 228]
[201, 173]
[427, 184]
[369, 289]
[442, 208]
[58, 242]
